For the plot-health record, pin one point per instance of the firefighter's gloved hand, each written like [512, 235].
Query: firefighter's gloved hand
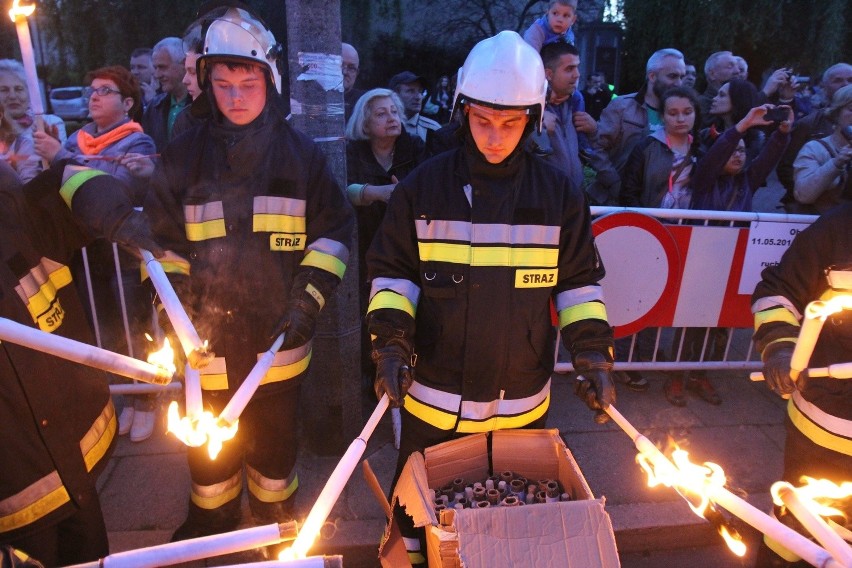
[776, 368]
[298, 323]
[597, 390]
[133, 233]
[394, 372]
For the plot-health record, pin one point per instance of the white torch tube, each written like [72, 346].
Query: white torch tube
[82, 353]
[803, 547]
[192, 391]
[197, 548]
[26, 43]
[334, 486]
[808, 336]
[241, 398]
[815, 524]
[143, 388]
[193, 347]
[309, 562]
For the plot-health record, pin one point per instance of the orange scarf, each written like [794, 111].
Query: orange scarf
[93, 145]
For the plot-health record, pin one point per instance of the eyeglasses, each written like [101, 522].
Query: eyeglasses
[101, 91]
[350, 67]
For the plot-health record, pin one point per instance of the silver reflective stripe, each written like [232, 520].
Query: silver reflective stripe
[401, 286]
[289, 356]
[217, 489]
[205, 212]
[578, 296]
[501, 407]
[332, 248]
[775, 302]
[269, 205]
[433, 397]
[824, 420]
[487, 233]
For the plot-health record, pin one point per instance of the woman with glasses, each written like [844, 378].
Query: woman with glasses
[115, 144]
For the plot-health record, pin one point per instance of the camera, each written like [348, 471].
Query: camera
[777, 114]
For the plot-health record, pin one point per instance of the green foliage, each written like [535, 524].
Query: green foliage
[808, 35]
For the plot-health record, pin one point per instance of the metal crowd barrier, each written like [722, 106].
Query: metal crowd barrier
[668, 343]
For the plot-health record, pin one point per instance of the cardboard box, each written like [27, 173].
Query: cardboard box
[572, 534]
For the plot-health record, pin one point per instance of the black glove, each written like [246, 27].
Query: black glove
[776, 368]
[597, 390]
[133, 233]
[394, 370]
[298, 322]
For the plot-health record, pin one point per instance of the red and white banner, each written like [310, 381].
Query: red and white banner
[664, 275]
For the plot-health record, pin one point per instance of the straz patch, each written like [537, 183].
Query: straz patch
[535, 278]
[287, 241]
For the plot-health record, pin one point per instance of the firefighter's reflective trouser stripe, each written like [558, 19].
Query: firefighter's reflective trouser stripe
[48, 493]
[271, 490]
[38, 289]
[448, 411]
[415, 555]
[285, 365]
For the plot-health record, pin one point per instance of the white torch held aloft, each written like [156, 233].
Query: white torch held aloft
[19, 15]
[83, 353]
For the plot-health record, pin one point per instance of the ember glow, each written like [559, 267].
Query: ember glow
[18, 10]
[695, 483]
[163, 357]
[206, 428]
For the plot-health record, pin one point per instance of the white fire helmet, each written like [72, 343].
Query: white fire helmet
[503, 71]
[239, 36]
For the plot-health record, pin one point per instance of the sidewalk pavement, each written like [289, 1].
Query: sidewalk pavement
[145, 487]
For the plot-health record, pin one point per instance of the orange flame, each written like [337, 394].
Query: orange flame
[733, 540]
[163, 357]
[818, 494]
[205, 428]
[18, 10]
[694, 482]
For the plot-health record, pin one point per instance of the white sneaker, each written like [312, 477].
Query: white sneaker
[143, 425]
[125, 420]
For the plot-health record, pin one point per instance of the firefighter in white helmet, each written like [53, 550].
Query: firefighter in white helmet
[474, 246]
[261, 235]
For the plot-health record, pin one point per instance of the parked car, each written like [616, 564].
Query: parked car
[70, 103]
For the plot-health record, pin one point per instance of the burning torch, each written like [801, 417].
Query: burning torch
[158, 373]
[19, 15]
[683, 475]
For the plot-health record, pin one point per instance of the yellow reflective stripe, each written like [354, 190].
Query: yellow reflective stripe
[503, 422]
[97, 440]
[780, 549]
[172, 263]
[43, 298]
[205, 230]
[72, 184]
[817, 434]
[215, 375]
[432, 416]
[283, 488]
[416, 558]
[276, 223]
[392, 300]
[327, 262]
[488, 256]
[285, 372]
[34, 502]
[787, 339]
[586, 310]
[776, 314]
[214, 496]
